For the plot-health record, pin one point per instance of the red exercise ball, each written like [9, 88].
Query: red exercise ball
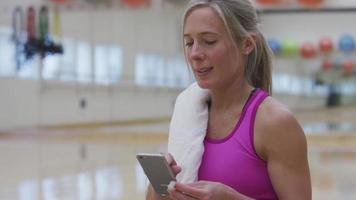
[268, 2]
[327, 65]
[307, 50]
[326, 45]
[347, 67]
[135, 3]
[311, 3]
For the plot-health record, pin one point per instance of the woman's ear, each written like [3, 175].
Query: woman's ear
[249, 44]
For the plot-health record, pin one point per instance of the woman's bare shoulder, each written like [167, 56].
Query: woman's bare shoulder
[276, 128]
[272, 112]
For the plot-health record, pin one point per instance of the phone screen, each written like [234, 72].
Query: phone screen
[157, 171]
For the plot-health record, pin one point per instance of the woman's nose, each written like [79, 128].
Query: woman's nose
[196, 52]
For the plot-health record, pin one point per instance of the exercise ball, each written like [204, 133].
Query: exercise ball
[346, 43]
[274, 45]
[289, 48]
[326, 45]
[134, 3]
[311, 3]
[326, 65]
[307, 50]
[347, 67]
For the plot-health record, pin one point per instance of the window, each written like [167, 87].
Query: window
[149, 70]
[28, 190]
[178, 73]
[108, 64]
[7, 53]
[51, 67]
[83, 62]
[153, 70]
[67, 64]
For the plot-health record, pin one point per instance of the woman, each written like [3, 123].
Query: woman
[253, 148]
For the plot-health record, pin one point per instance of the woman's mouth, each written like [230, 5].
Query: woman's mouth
[203, 71]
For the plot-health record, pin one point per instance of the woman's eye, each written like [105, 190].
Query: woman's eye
[210, 42]
[188, 44]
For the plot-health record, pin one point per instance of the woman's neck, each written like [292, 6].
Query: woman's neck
[234, 95]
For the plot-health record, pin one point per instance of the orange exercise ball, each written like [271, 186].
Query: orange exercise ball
[311, 3]
[307, 50]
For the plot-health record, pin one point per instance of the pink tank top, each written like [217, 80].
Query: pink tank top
[233, 160]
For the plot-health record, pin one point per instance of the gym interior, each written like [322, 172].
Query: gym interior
[87, 84]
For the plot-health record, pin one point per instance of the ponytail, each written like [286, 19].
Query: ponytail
[259, 65]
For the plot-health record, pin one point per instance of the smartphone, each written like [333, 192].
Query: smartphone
[157, 171]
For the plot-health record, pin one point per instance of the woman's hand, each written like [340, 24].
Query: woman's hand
[151, 194]
[206, 191]
[173, 164]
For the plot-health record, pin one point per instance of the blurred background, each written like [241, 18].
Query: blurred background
[87, 84]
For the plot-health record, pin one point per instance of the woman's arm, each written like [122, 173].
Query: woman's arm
[281, 142]
[206, 190]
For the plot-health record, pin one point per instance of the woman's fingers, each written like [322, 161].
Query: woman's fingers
[176, 169]
[190, 190]
[170, 159]
[177, 195]
[173, 164]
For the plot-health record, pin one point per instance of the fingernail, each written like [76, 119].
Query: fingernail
[171, 186]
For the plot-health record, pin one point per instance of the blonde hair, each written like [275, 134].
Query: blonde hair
[240, 19]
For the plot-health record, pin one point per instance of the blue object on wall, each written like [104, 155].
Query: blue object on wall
[346, 43]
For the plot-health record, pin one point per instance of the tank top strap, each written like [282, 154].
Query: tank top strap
[257, 97]
[245, 132]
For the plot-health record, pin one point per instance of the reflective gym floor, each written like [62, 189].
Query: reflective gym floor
[98, 161]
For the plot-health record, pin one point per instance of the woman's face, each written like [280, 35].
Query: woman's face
[210, 51]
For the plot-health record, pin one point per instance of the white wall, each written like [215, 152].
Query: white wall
[28, 103]
[25, 103]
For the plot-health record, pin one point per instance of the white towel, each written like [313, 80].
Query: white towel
[187, 131]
